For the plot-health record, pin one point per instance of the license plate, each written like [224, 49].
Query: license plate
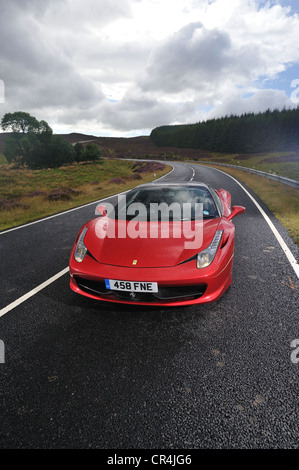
[131, 286]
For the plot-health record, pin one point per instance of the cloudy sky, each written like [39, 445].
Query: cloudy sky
[124, 67]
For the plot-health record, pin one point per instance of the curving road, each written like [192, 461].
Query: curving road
[82, 374]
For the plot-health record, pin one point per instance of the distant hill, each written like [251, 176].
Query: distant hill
[144, 147]
[130, 147]
[77, 137]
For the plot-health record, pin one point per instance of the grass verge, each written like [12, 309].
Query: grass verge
[282, 200]
[28, 195]
[278, 163]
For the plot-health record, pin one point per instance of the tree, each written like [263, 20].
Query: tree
[55, 153]
[79, 149]
[32, 142]
[19, 122]
[249, 133]
[59, 152]
[92, 152]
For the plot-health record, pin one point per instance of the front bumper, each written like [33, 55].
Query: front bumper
[179, 285]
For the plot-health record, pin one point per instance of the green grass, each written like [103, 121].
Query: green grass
[3, 160]
[282, 200]
[27, 195]
[280, 163]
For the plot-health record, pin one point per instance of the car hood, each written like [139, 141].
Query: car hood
[147, 244]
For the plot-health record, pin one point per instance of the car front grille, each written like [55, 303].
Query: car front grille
[165, 293]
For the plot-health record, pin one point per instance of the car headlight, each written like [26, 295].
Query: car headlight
[81, 249]
[205, 257]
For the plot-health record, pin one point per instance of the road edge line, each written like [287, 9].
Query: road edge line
[34, 291]
[45, 284]
[291, 258]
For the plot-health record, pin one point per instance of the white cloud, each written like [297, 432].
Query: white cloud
[238, 49]
[127, 66]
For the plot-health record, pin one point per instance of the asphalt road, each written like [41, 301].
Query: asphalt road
[84, 374]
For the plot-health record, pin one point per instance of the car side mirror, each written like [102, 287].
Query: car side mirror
[101, 210]
[236, 210]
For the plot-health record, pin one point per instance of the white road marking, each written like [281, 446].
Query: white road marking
[193, 173]
[55, 215]
[167, 174]
[42, 286]
[291, 258]
[37, 289]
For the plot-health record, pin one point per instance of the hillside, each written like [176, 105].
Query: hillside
[77, 137]
[140, 147]
[282, 163]
[118, 147]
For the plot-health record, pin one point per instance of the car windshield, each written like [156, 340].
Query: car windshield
[166, 204]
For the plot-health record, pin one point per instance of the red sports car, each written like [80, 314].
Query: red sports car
[161, 244]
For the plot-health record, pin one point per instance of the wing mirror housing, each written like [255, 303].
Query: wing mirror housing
[236, 210]
[101, 210]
